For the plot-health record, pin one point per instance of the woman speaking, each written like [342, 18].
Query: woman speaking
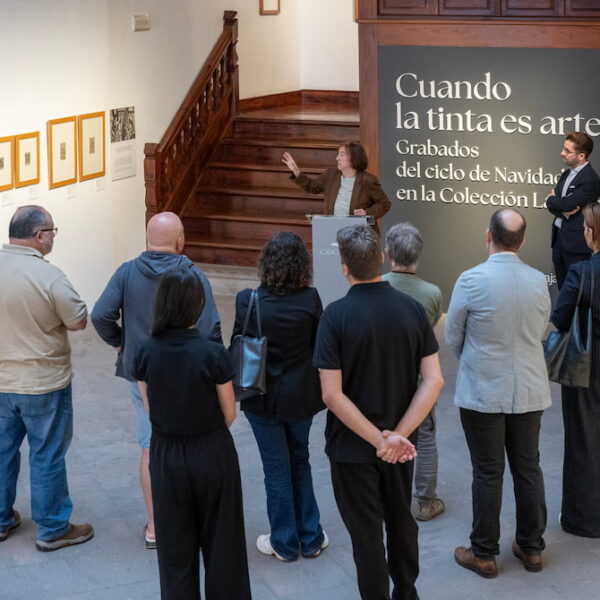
[348, 189]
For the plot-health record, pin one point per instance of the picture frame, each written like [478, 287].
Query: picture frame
[91, 145]
[62, 152]
[269, 7]
[27, 159]
[7, 163]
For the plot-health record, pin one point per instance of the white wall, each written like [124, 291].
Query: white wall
[329, 45]
[268, 48]
[69, 57]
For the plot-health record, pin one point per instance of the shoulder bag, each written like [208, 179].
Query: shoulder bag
[569, 353]
[249, 358]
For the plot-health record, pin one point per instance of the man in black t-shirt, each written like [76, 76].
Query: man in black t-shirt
[371, 347]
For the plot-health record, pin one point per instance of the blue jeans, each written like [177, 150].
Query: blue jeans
[291, 504]
[47, 419]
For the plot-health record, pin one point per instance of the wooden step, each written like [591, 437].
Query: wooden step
[217, 226]
[282, 128]
[204, 203]
[256, 191]
[230, 174]
[311, 152]
[226, 250]
[253, 215]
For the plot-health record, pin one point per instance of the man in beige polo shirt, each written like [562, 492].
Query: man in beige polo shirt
[37, 306]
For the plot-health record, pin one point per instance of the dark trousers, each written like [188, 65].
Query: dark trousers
[562, 260]
[369, 495]
[197, 497]
[581, 467]
[488, 435]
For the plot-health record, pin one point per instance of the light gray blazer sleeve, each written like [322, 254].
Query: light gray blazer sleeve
[458, 313]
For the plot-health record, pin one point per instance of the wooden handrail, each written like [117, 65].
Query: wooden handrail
[172, 167]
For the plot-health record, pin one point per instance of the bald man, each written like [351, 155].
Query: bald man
[497, 317]
[129, 297]
[38, 305]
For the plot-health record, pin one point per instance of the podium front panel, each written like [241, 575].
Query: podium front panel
[327, 271]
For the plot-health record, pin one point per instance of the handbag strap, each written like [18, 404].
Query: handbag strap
[253, 301]
[582, 282]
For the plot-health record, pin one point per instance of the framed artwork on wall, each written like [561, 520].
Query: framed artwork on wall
[91, 147]
[62, 152]
[7, 170]
[27, 159]
[269, 7]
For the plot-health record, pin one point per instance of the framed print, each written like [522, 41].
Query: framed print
[7, 170]
[27, 159]
[62, 152]
[269, 7]
[91, 147]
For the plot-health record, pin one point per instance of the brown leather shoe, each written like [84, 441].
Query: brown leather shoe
[77, 534]
[484, 568]
[531, 562]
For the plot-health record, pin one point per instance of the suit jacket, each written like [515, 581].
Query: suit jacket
[567, 301]
[584, 189]
[289, 323]
[367, 192]
[495, 323]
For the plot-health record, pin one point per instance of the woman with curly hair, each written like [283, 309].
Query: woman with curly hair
[280, 419]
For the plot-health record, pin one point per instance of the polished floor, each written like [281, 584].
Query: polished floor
[102, 467]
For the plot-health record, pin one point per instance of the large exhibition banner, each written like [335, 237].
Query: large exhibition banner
[465, 131]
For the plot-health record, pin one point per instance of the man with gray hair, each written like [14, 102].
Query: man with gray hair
[404, 245]
[37, 306]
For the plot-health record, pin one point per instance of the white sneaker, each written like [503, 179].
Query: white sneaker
[323, 545]
[263, 543]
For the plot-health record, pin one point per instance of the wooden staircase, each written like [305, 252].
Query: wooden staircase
[218, 164]
[245, 194]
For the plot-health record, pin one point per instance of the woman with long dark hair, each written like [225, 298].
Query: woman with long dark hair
[281, 419]
[185, 381]
[581, 407]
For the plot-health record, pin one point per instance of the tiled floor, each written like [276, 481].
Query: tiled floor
[102, 467]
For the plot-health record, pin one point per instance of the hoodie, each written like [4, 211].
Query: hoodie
[129, 297]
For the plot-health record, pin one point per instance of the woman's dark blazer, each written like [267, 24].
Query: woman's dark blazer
[290, 324]
[367, 192]
[567, 301]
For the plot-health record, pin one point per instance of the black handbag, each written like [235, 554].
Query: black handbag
[249, 358]
[569, 354]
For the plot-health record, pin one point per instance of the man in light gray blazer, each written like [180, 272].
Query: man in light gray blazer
[496, 320]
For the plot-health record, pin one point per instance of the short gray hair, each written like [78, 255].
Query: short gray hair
[27, 221]
[404, 244]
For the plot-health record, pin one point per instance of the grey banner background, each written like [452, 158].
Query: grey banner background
[544, 82]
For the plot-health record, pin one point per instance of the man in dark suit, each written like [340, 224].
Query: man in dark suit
[578, 185]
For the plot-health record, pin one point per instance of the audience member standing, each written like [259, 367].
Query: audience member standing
[578, 185]
[123, 316]
[581, 407]
[403, 246]
[37, 306]
[281, 419]
[372, 345]
[185, 382]
[496, 320]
